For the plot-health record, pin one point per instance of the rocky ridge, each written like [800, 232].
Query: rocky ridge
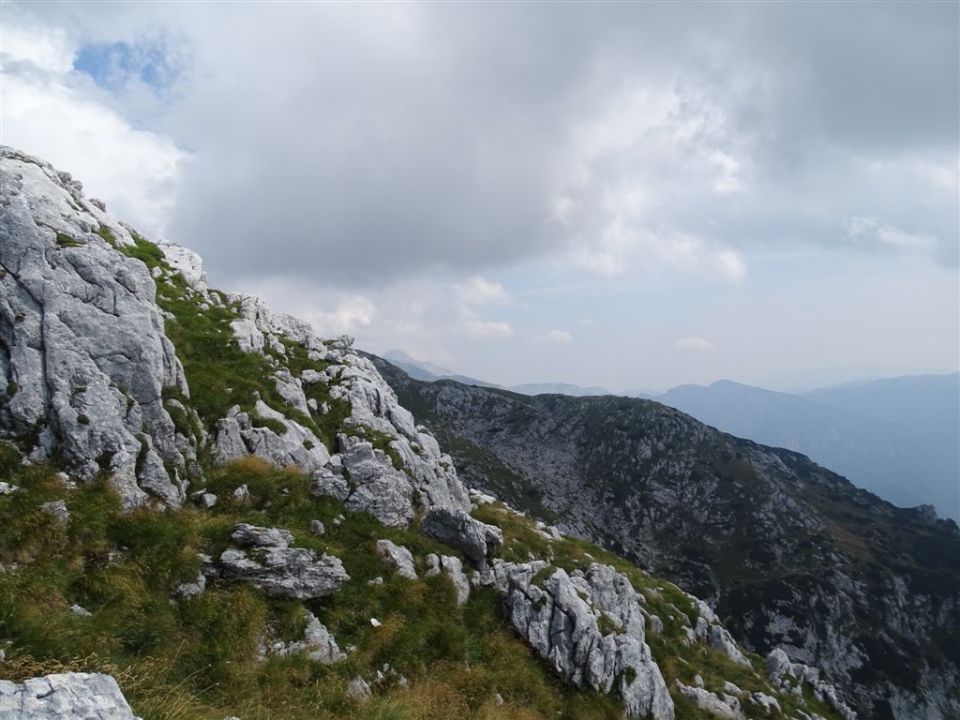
[123, 367]
[789, 554]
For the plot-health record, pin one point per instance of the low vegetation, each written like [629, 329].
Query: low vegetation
[199, 658]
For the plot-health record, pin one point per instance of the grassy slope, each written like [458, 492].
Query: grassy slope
[198, 658]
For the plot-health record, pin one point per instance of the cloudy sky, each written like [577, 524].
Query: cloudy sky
[626, 195]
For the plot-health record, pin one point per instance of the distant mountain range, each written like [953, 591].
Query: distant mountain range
[897, 437]
[429, 372]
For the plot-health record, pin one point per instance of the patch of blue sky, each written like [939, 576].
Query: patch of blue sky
[113, 65]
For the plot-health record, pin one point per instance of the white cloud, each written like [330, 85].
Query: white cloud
[478, 290]
[487, 330]
[560, 336]
[694, 344]
[728, 182]
[46, 111]
[351, 313]
[871, 230]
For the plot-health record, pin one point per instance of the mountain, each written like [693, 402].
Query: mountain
[206, 510]
[896, 437]
[429, 371]
[791, 554]
[558, 389]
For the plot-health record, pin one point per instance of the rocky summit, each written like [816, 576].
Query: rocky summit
[208, 511]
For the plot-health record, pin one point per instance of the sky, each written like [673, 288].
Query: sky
[624, 195]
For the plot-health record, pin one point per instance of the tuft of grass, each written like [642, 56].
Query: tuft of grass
[65, 241]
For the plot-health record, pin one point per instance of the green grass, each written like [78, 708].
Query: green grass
[65, 241]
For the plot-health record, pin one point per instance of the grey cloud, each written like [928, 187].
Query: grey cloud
[374, 142]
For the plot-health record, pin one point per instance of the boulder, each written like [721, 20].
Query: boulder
[397, 557]
[477, 540]
[268, 563]
[64, 695]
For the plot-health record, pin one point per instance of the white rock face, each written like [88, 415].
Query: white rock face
[560, 621]
[65, 695]
[238, 436]
[84, 343]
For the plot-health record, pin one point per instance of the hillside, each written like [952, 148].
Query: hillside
[206, 510]
[792, 554]
[895, 437]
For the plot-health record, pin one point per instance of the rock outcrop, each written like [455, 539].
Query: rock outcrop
[266, 560]
[83, 353]
[789, 676]
[561, 620]
[64, 695]
[478, 541]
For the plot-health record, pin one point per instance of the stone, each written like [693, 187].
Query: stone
[656, 624]
[80, 610]
[204, 499]
[241, 494]
[186, 591]
[478, 541]
[397, 557]
[268, 563]
[730, 688]
[375, 623]
[720, 638]
[768, 703]
[57, 508]
[7, 489]
[560, 622]
[317, 528]
[453, 569]
[711, 703]
[64, 695]
[359, 690]
[317, 644]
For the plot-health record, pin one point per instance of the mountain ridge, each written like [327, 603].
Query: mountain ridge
[670, 493]
[230, 514]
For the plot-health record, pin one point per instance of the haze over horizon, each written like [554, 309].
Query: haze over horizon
[635, 196]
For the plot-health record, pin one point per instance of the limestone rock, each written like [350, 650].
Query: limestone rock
[397, 557]
[64, 695]
[785, 674]
[359, 690]
[84, 339]
[279, 570]
[237, 436]
[377, 487]
[560, 622]
[727, 707]
[478, 541]
[453, 569]
[317, 643]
